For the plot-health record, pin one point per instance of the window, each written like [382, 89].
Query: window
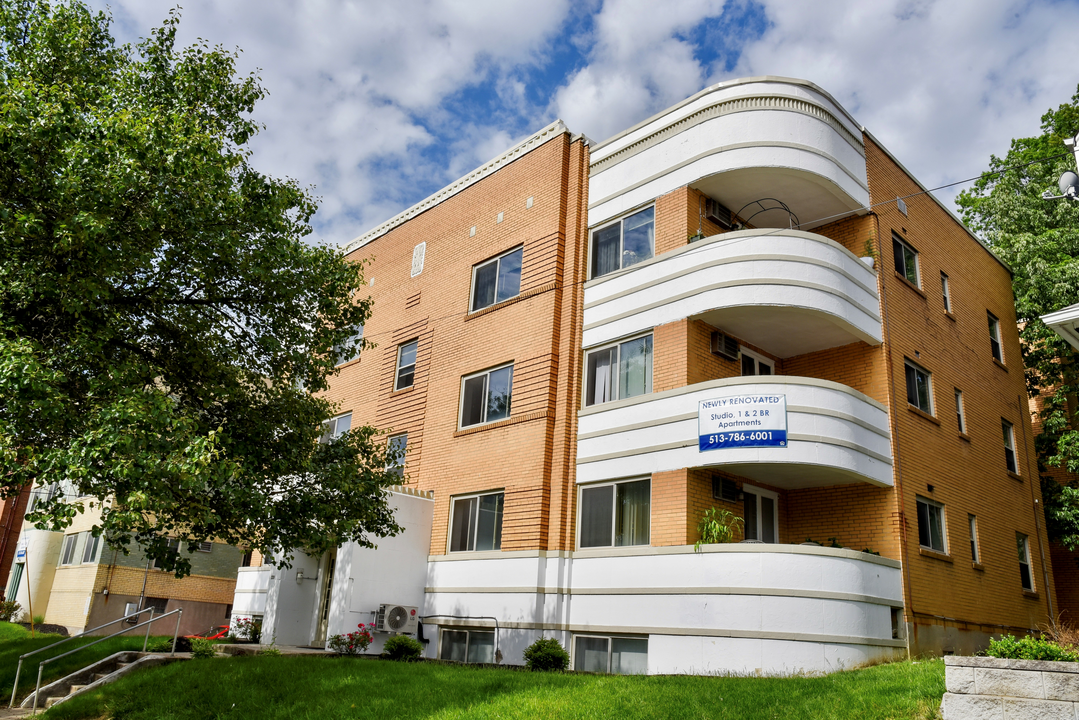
[174, 544]
[468, 646]
[724, 489]
[972, 522]
[335, 427]
[761, 514]
[624, 243]
[497, 280]
[349, 349]
[247, 559]
[615, 514]
[92, 543]
[67, 553]
[616, 655]
[1009, 446]
[994, 337]
[919, 389]
[1025, 576]
[477, 523]
[960, 417]
[395, 454]
[931, 527]
[946, 293]
[906, 260]
[754, 364]
[619, 371]
[485, 396]
[406, 365]
[13, 583]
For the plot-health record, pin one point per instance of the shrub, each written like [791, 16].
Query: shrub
[247, 629]
[1029, 648]
[202, 648]
[39, 619]
[9, 610]
[353, 643]
[402, 647]
[546, 654]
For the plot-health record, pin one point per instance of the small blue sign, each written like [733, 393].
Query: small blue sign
[742, 421]
[20, 555]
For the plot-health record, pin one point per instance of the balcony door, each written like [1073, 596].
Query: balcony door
[761, 514]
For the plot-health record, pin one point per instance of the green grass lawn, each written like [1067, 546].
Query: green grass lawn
[326, 687]
[15, 640]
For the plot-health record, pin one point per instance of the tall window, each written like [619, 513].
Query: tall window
[931, 527]
[994, 337]
[67, 552]
[406, 365]
[497, 280]
[93, 542]
[754, 364]
[919, 389]
[906, 260]
[395, 454]
[1025, 575]
[960, 415]
[616, 655]
[1009, 446]
[336, 427]
[615, 514]
[468, 646]
[485, 396]
[946, 292]
[975, 555]
[619, 371]
[349, 349]
[761, 514]
[624, 243]
[477, 523]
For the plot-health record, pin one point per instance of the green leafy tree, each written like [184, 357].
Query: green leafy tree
[164, 330]
[1040, 240]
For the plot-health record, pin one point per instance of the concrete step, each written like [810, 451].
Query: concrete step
[121, 665]
[75, 689]
[98, 676]
[49, 702]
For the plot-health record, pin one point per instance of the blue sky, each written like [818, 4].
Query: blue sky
[377, 105]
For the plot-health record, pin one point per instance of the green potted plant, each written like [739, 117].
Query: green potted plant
[716, 526]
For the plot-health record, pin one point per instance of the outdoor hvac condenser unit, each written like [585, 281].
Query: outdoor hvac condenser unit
[724, 345]
[397, 618]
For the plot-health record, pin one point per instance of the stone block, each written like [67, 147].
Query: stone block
[1016, 683]
[1061, 686]
[959, 680]
[972, 707]
[1022, 709]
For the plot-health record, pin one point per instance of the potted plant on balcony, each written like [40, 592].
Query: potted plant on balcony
[716, 526]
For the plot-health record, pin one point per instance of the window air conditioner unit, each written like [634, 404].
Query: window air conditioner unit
[717, 213]
[724, 345]
[396, 618]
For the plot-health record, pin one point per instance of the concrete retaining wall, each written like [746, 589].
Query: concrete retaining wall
[980, 687]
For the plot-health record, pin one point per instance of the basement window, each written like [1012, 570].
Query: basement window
[467, 646]
[610, 654]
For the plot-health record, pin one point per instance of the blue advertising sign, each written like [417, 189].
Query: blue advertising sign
[742, 421]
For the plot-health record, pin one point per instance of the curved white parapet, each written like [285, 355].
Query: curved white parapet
[739, 142]
[835, 435]
[742, 608]
[786, 291]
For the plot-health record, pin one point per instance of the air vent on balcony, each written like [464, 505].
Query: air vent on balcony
[717, 213]
[723, 489]
[724, 345]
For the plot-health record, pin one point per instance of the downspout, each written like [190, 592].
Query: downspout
[1034, 506]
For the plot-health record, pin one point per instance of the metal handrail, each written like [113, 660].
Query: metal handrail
[41, 665]
[69, 639]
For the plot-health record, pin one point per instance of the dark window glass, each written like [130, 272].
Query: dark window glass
[590, 655]
[918, 393]
[931, 526]
[600, 376]
[499, 388]
[489, 523]
[768, 520]
[481, 647]
[487, 397]
[1009, 447]
[906, 260]
[462, 535]
[597, 510]
[473, 405]
[605, 244]
[395, 454]
[994, 338]
[1025, 576]
[406, 365]
[749, 366]
[632, 513]
[629, 656]
[749, 510]
[477, 523]
[483, 293]
[454, 645]
[638, 237]
[509, 276]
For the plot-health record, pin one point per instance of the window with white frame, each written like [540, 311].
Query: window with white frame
[90, 547]
[624, 242]
[467, 645]
[497, 280]
[761, 514]
[975, 554]
[349, 348]
[960, 414]
[610, 654]
[906, 260]
[1025, 575]
[406, 365]
[919, 387]
[755, 364]
[67, 552]
[1009, 446]
[994, 337]
[945, 290]
[336, 427]
[486, 396]
[619, 371]
[932, 530]
[205, 547]
[615, 514]
[396, 446]
[476, 522]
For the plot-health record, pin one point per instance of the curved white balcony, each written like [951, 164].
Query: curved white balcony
[835, 435]
[786, 291]
[739, 142]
